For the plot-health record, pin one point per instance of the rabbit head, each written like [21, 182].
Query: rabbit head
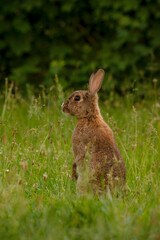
[84, 103]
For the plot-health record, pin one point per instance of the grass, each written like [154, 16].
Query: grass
[38, 199]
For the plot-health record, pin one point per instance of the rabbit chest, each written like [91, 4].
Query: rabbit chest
[81, 137]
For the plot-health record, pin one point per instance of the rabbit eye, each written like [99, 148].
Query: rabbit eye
[77, 98]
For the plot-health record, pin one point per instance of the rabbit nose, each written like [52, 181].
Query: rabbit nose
[65, 103]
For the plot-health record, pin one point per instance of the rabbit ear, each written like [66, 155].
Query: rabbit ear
[95, 81]
[91, 78]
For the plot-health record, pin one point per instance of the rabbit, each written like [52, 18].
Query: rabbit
[93, 139]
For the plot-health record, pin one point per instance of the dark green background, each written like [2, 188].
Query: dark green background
[39, 39]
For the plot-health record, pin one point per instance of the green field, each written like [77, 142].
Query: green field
[38, 199]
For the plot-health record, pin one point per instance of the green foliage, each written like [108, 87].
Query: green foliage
[38, 199]
[73, 38]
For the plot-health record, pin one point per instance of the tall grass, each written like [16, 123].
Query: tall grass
[38, 199]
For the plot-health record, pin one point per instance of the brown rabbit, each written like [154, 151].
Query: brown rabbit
[93, 139]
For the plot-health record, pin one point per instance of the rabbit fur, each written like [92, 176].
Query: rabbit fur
[98, 164]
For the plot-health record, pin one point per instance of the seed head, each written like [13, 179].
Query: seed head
[155, 80]
[45, 176]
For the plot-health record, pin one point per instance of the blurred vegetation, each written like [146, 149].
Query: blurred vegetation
[73, 38]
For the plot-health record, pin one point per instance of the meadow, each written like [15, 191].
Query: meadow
[38, 199]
